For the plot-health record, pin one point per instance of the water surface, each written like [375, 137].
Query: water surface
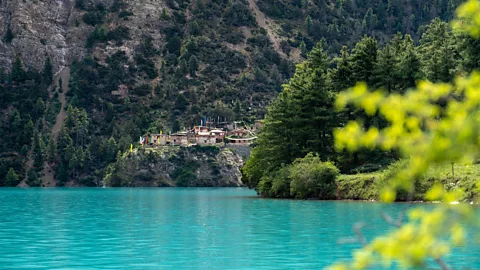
[175, 228]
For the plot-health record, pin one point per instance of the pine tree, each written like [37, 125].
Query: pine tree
[51, 150]
[469, 49]
[181, 102]
[195, 29]
[62, 174]
[39, 108]
[111, 150]
[303, 49]
[385, 72]
[341, 76]
[370, 20]
[438, 52]
[164, 16]
[48, 71]
[38, 149]
[9, 35]
[305, 106]
[193, 66]
[308, 24]
[409, 67]
[364, 57]
[183, 67]
[11, 179]
[32, 178]
[18, 73]
[64, 144]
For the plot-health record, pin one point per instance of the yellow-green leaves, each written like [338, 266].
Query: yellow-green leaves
[435, 193]
[436, 124]
[429, 134]
[468, 20]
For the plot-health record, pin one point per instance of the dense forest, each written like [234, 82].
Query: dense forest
[299, 124]
[216, 58]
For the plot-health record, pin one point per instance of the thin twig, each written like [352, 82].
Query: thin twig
[358, 230]
[442, 264]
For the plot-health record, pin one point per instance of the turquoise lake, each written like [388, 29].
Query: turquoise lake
[176, 228]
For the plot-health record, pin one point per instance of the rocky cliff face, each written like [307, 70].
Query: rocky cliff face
[177, 166]
[54, 28]
[40, 29]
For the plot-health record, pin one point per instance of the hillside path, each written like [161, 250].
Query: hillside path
[48, 179]
[264, 23]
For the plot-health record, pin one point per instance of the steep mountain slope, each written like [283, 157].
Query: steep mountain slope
[145, 66]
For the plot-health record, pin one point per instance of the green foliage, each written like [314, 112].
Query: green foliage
[93, 17]
[164, 15]
[100, 34]
[48, 71]
[438, 52]
[11, 179]
[357, 187]
[298, 122]
[239, 14]
[312, 178]
[8, 35]
[80, 4]
[184, 175]
[32, 179]
[345, 22]
[18, 73]
[433, 125]
[193, 66]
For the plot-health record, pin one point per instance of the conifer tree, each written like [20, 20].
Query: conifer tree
[32, 178]
[193, 66]
[51, 150]
[18, 73]
[308, 24]
[409, 67]
[364, 57]
[39, 108]
[370, 20]
[303, 49]
[341, 75]
[37, 149]
[183, 67]
[385, 71]
[164, 16]
[299, 121]
[11, 179]
[48, 71]
[9, 35]
[111, 150]
[438, 52]
[28, 132]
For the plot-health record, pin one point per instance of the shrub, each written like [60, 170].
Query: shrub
[125, 14]
[281, 183]
[93, 18]
[32, 178]
[264, 186]
[9, 35]
[312, 178]
[357, 187]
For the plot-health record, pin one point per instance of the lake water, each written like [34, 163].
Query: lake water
[176, 228]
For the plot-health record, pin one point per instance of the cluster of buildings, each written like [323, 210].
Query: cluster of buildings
[201, 135]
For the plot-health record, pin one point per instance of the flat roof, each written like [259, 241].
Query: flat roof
[243, 139]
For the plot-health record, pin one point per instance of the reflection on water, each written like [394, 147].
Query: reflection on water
[180, 228]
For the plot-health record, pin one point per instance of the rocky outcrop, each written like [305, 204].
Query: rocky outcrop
[54, 28]
[40, 29]
[177, 166]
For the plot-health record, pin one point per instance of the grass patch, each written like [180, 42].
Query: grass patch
[367, 186]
